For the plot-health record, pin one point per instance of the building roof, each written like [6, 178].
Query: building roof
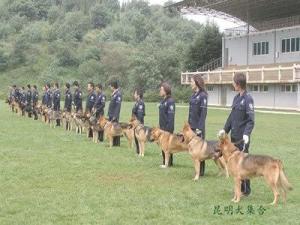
[257, 13]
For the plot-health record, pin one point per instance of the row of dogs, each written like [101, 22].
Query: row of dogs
[228, 158]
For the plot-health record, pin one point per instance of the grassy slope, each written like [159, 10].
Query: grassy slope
[49, 176]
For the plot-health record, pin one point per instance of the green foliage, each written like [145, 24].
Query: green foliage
[100, 16]
[137, 44]
[206, 47]
[4, 59]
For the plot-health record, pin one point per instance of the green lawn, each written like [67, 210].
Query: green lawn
[50, 176]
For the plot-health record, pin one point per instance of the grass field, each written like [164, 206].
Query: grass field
[50, 176]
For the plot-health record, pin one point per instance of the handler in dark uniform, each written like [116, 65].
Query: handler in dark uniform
[198, 110]
[68, 98]
[23, 100]
[56, 103]
[115, 107]
[48, 96]
[35, 99]
[99, 106]
[77, 97]
[241, 121]
[138, 111]
[166, 114]
[29, 100]
[44, 95]
[90, 102]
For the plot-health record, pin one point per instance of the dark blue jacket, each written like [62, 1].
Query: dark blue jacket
[23, 97]
[56, 100]
[100, 104]
[138, 110]
[198, 111]
[115, 106]
[167, 114]
[68, 101]
[35, 97]
[48, 98]
[78, 100]
[44, 100]
[90, 102]
[28, 97]
[241, 119]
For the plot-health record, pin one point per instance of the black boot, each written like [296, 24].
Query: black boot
[245, 187]
[137, 146]
[202, 168]
[90, 132]
[100, 136]
[170, 159]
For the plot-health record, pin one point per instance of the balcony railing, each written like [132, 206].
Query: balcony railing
[278, 74]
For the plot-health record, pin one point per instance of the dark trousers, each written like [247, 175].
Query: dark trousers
[101, 135]
[116, 141]
[245, 186]
[90, 133]
[137, 147]
[202, 163]
[34, 112]
[170, 159]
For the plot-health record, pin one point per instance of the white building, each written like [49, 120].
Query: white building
[267, 51]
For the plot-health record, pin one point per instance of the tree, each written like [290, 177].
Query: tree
[206, 47]
[91, 69]
[4, 59]
[100, 16]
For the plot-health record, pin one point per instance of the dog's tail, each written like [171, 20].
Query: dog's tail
[283, 181]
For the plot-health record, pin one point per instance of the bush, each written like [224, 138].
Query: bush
[91, 69]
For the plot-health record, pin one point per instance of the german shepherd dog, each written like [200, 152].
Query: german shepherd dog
[169, 143]
[67, 120]
[81, 122]
[113, 129]
[201, 150]
[245, 166]
[142, 134]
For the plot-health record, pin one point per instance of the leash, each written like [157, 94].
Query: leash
[239, 142]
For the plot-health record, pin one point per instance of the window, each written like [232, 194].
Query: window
[210, 88]
[293, 44]
[289, 88]
[259, 88]
[290, 45]
[283, 45]
[261, 48]
[294, 88]
[254, 49]
[264, 88]
[254, 88]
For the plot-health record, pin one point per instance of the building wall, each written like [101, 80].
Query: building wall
[274, 98]
[214, 96]
[291, 56]
[240, 56]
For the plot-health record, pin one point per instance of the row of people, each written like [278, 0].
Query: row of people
[240, 121]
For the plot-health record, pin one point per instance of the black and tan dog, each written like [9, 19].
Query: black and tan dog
[201, 150]
[142, 134]
[169, 143]
[113, 129]
[245, 166]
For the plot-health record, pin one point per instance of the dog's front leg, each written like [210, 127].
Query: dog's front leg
[167, 158]
[237, 190]
[142, 148]
[197, 169]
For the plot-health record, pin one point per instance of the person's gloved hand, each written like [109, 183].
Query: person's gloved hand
[246, 139]
[221, 133]
[198, 132]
